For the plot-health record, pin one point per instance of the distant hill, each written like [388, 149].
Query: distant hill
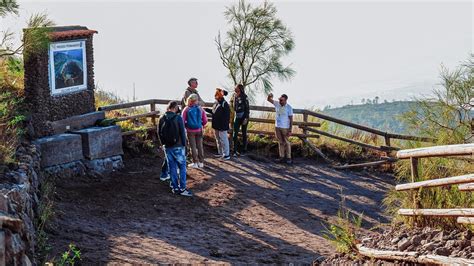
[381, 116]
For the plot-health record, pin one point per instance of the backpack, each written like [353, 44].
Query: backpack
[194, 119]
[169, 132]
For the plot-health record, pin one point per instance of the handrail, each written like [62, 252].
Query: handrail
[386, 135]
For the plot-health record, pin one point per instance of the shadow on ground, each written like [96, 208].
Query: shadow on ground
[247, 210]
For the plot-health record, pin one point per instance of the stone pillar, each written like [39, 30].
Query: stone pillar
[59, 79]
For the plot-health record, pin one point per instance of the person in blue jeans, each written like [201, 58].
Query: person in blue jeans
[173, 136]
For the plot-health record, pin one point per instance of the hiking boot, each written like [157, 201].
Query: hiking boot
[280, 160]
[193, 165]
[226, 158]
[236, 154]
[165, 178]
[201, 165]
[186, 193]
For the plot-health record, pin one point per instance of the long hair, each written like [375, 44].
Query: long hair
[242, 89]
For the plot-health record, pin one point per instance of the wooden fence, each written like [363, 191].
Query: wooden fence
[309, 129]
[464, 182]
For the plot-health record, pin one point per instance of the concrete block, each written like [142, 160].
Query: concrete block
[77, 122]
[60, 149]
[101, 142]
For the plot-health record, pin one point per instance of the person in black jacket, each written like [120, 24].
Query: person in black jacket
[241, 107]
[220, 123]
[173, 136]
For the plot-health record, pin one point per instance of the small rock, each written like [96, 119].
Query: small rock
[416, 240]
[430, 246]
[403, 244]
[451, 244]
[442, 251]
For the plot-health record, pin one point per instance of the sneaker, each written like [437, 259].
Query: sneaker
[289, 161]
[280, 160]
[165, 178]
[226, 158]
[193, 165]
[217, 155]
[186, 193]
[201, 165]
[236, 154]
[175, 191]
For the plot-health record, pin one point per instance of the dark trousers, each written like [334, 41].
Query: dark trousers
[238, 124]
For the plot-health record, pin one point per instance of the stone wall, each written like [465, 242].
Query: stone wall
[19, 192]
[42, 106]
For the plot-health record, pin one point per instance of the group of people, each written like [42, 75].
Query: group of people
[182, 126]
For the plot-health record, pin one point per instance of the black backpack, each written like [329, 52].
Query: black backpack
[169, 132]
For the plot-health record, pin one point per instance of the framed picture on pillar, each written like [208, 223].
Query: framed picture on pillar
[67, 67]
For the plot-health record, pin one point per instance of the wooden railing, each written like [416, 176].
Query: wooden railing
[465, 182]
[308, 128]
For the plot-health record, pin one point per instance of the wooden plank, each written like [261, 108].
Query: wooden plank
[125, 118]
[376, 163]
[368, 146]
[76, 122]
[437, 212]
[367, 129]
[260, 132]
[465, 220]
[411, 256]
[466, 187]
[126, 105]
[437, 182]
[438, 151]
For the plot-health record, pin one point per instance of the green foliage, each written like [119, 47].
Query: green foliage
[8, 7]
[343, 233]
[70, 257]
[254, 45]
[448, 119]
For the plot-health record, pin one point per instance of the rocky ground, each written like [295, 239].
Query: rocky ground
[247, 210]
[453, 243]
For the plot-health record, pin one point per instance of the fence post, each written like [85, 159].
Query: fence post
[414, 169]
[387, 140]
[305, 131]
[153, 117]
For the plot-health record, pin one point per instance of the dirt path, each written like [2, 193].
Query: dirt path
[244, 211]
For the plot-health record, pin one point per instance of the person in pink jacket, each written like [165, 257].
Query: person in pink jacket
[194, 120]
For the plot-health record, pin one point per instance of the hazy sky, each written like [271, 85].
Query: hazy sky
[344, 50]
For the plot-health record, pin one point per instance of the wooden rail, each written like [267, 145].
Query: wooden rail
[305, 125]
[465, 182]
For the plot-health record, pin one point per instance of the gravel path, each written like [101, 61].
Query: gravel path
[247, 210]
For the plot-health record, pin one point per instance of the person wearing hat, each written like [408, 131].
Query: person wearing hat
[192, 89]
[220, 123]
[283, 126]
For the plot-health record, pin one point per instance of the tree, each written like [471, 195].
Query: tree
[447, 117]
[254, 46]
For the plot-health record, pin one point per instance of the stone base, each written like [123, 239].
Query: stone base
[59, 149]
[85, 167]
[101, 142]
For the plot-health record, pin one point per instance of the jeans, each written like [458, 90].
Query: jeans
[177, 162]
[238, 123]
[222, 142]
[197, 150]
